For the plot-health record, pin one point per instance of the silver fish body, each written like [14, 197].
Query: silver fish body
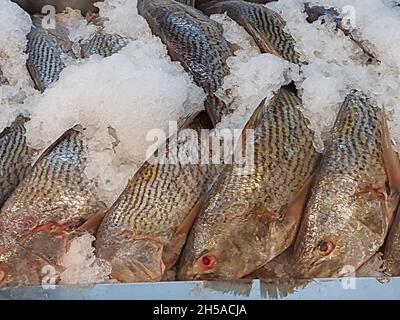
[263, 24]
[143, 233]
[103, 44]
[195, 41]
[353, 197]
[51, 202]
[47, 53]
[15, 157]
[248, 219]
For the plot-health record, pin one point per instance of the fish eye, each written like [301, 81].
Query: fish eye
[325, 247]
[208, 261]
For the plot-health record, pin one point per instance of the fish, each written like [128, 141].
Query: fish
[144, 231]
[36, 7]
[48, 50]
[248, 219]
[263, 24]
[103, 44]
[391, 250]
[195, 41]
[39, 219]
[16, 157]
[354, 194]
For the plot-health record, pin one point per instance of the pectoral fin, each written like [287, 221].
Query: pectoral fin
[187, 223]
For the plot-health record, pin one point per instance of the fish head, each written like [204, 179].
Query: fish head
[131, 259]
[228, 249]
[34, 256]
[345, 230]
[33, 261]
[327, 254]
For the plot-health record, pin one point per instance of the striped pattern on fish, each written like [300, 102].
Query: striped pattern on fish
[248, 219]
[195, 41]
[143, 233]
[263, 24]
[103, 44]
[15, 157]
[52, 201]
[353, 199]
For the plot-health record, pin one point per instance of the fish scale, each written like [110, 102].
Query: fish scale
[249, 219]
[353, 198]
[103, 44]
[145, 222]
[46, 55]
[195, 41]
[16, 157]
[262, 23]
[47, 206]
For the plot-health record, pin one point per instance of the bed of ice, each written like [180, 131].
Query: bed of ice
[140, 88]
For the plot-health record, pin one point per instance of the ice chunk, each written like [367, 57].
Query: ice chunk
[122, 18]
[15, 24]
[134, 91]
[77, 25]
[253, 76]
[81, 265]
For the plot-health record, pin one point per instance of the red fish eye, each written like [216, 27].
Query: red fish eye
[207, 262]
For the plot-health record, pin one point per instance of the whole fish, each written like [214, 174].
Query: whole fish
[143, 233]
[103, 44]
[38, 219]
[248, 219]
[391, 251]
[263, 24]
[354, 194]
[195, 41]
[47, 51]
[16, 157]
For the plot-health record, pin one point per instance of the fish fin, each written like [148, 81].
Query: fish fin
[67, 134]
[39, 85]
[390, 158]
[296, 207]
[256, 116]
[186, 225]
[93, 222]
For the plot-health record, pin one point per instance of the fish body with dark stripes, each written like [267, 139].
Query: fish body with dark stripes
[16, 157]
[263, 24]
[354, 194]
[39, 219]
[103, 44]
[195, 41]
[47, 51]
[143, 233]
[248, 219]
